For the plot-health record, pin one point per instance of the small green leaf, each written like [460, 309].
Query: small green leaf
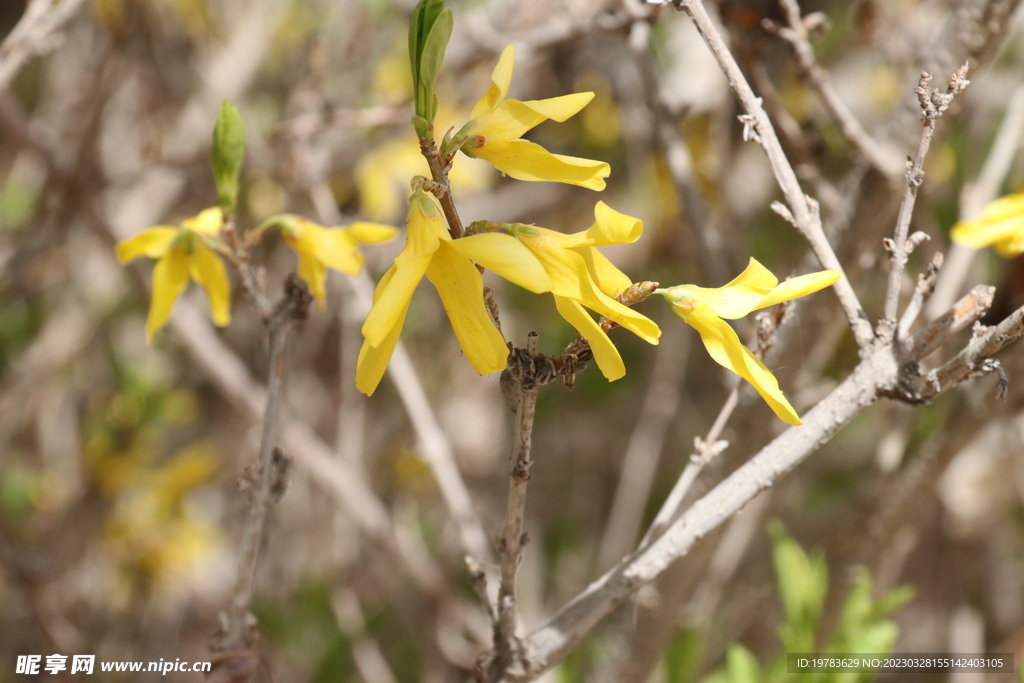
[803, 582]
[429, 30]
[227, 154]
[431, 58]
[682, 656]
[423, 128]
[741, 665]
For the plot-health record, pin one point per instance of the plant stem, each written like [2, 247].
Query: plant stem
[270, 468]
[513, 539]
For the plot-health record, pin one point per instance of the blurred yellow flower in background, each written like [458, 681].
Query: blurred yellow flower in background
[182, 252]
[1001, 225]
[576, 273]
[320, 248]
[754, 288]
[501, 122]
[382, 175]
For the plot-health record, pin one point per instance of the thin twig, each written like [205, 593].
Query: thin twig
[797, 34]
[704, 451]
[529, 372]
[806, 218]
[962, 315]
[933, 104]
[269, 467]
[924, 289]
[440, 187]
[35, 34]
[976, 358]
[710, 447]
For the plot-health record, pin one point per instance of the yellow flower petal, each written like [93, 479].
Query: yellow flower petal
[372, 233]
[333, 247]
[462, 292]
[422, 241]
[314, 274]
[394, 299]
[153, 243]
[725, 348]
[570, 278]
[999, 222]
[605, 354]
[512, 118]
[739, 297]
[501, 77]
[525, 160]
[207, 269]
[610, 227]
[797, 287]
[373, 360]
[559, 108]
[507, 257]
[1011, 246]
[207, 221]
[169, 279]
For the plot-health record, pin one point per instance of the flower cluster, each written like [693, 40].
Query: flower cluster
[570, 267]
[192, 251]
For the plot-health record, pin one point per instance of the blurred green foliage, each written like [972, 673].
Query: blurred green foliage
[802, 578]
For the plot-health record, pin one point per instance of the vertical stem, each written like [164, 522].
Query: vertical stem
[269, 470]
[513, 538]
[441, 188]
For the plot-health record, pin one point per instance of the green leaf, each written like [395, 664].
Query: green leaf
[227, 154]
[893, 600]
[430, 61]
[429, 30]
[682, 657]
[741, 665]
[803, 582]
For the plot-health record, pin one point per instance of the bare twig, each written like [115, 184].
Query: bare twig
[933, 104]
[797, 34]
[440, 187]
[35, 34]
[528, 371]
[710, 447]
[759, 127]
[925, 288]
[976, 359]
[963, 314]
[704, 451]
[269, 467]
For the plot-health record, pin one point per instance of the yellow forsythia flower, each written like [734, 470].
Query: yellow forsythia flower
[575, 272]
[755, 288]
[429, 250]
[501, 122]
[320, 248]
[1001, 224]
[182, 252]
